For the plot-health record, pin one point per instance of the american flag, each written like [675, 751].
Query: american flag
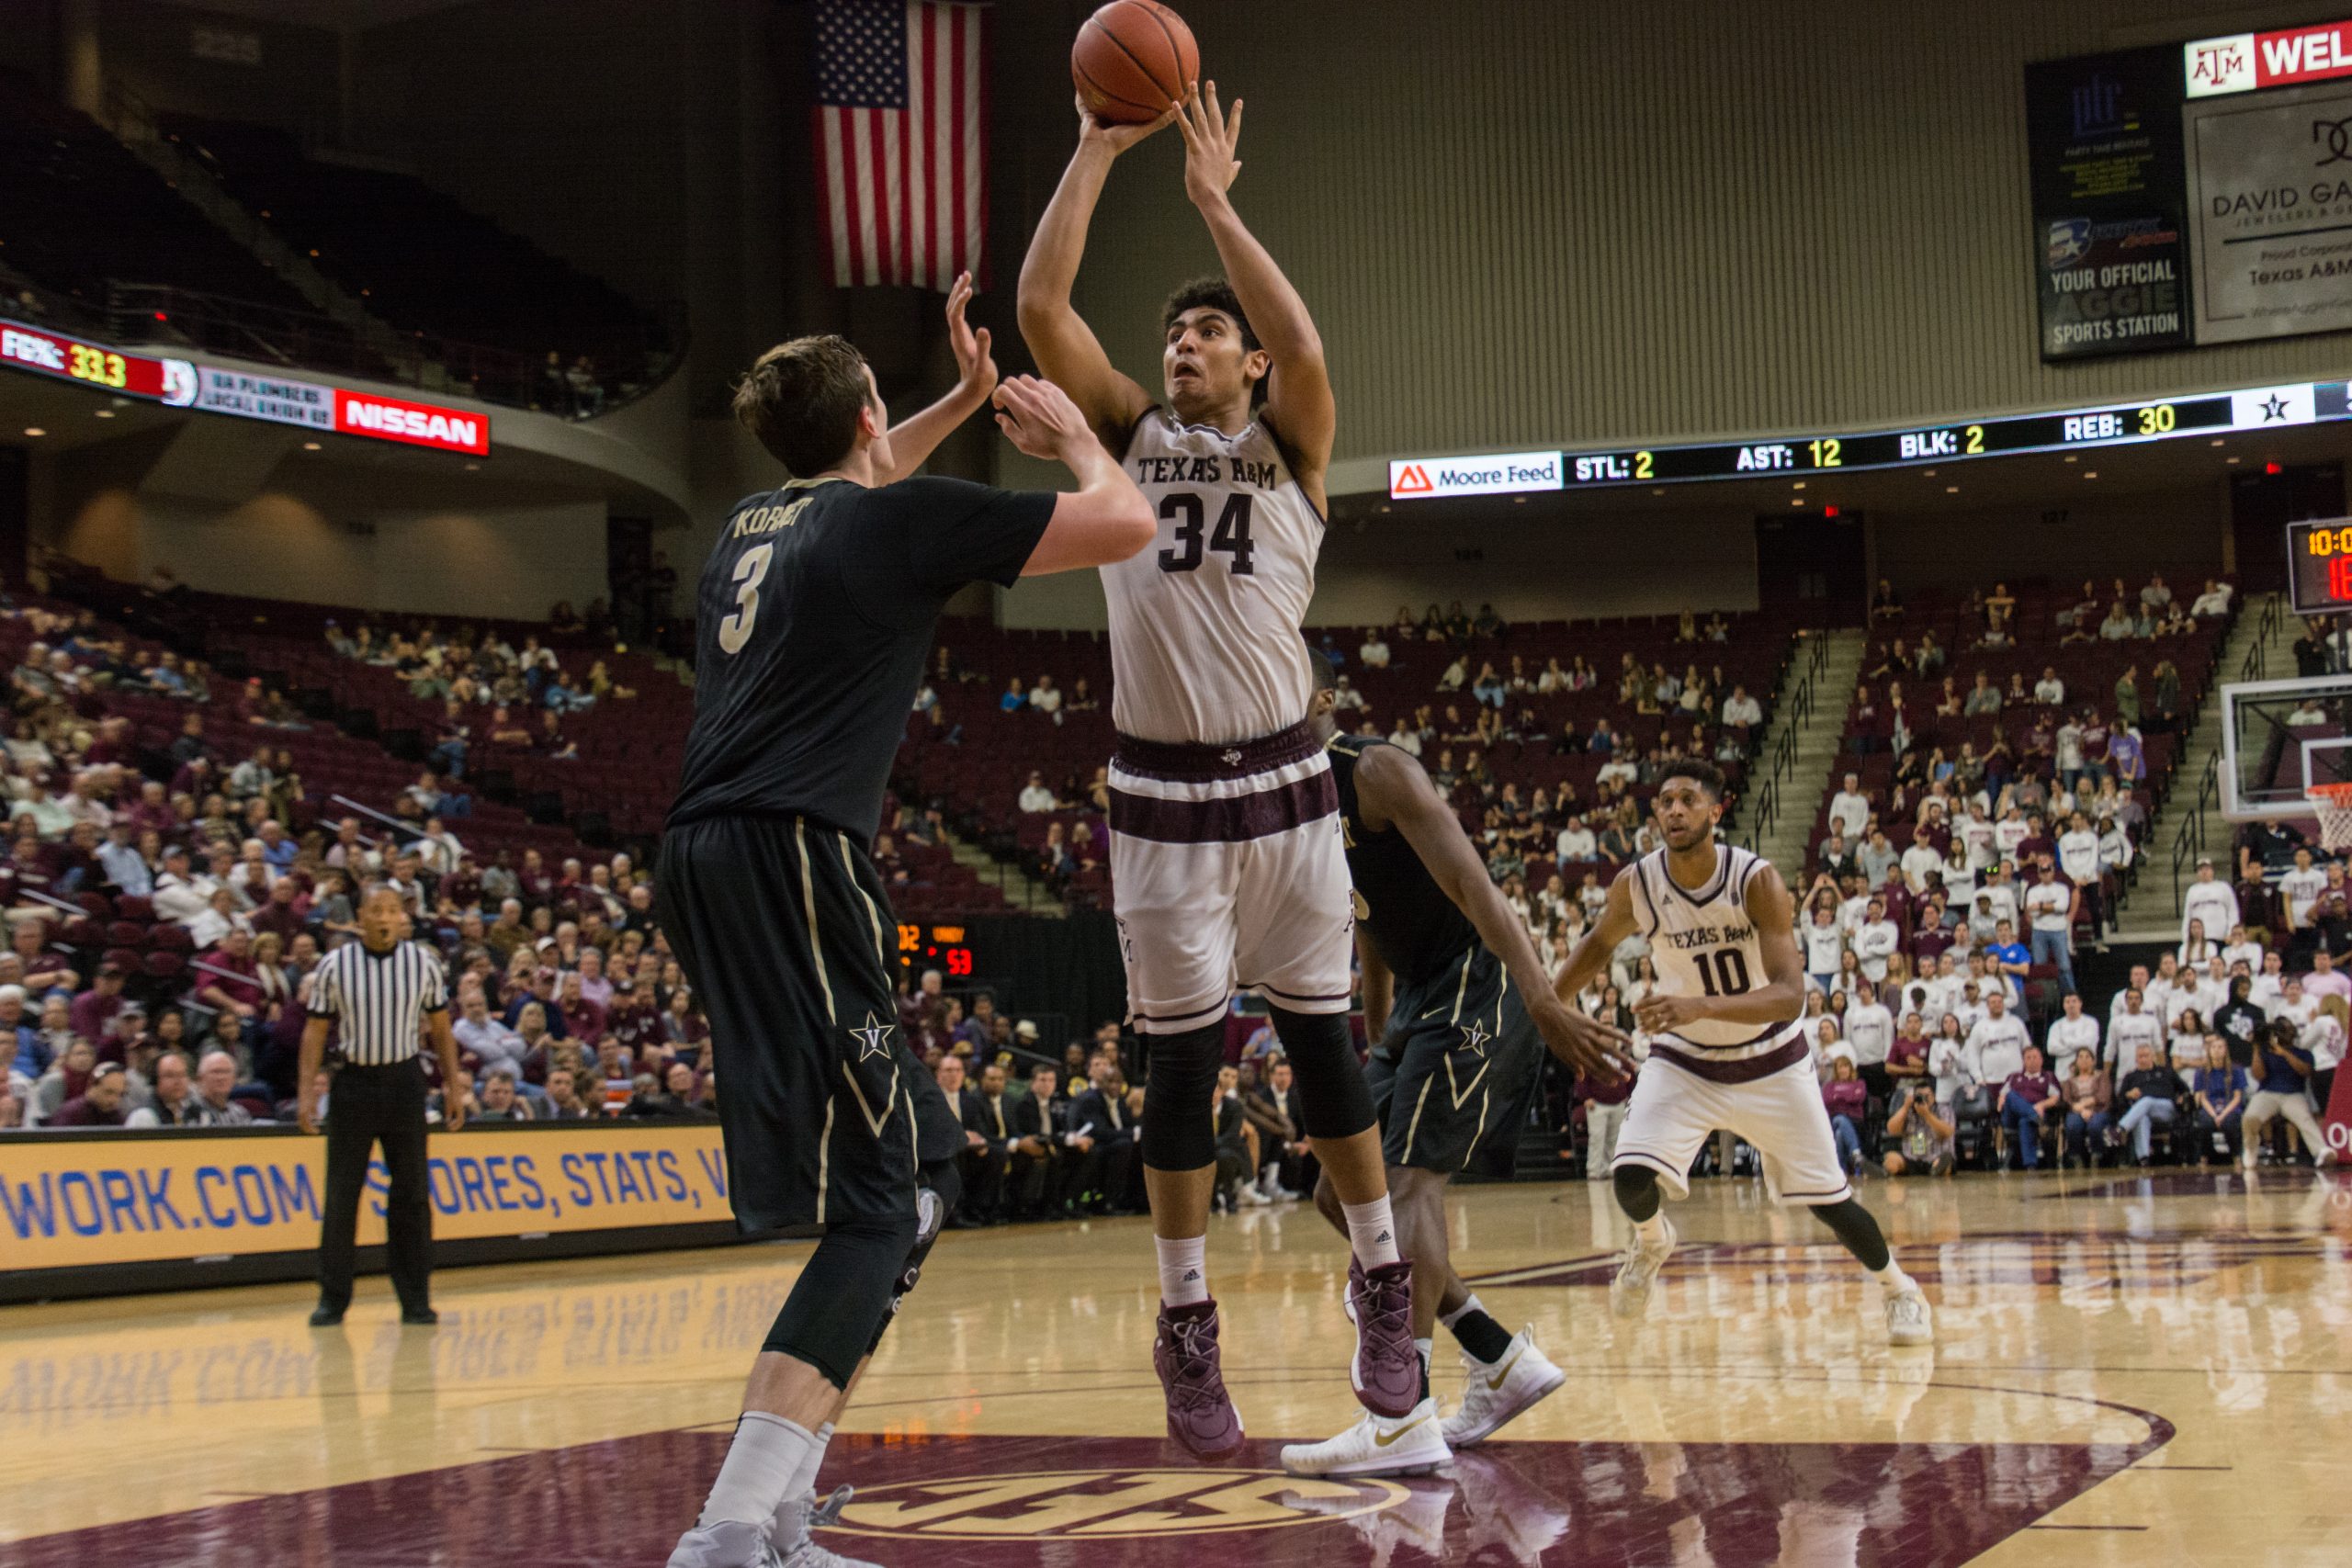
[902, 139]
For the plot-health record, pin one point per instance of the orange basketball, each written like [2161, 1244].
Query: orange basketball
[1133, 58]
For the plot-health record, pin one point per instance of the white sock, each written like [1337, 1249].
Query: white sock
[762, 1463]
[1183, 1271]
[1651, 1233]
[1891, 1279]
[1425, 1346]
[1371, 1232]
[1446, 1320]
[805, 1483]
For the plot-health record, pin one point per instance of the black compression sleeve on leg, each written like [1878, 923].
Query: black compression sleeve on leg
[1332, 1099]
[1637, 1190]
[933, 1203]
[1857, 1228]
[1180, 1086]
[842, 1296]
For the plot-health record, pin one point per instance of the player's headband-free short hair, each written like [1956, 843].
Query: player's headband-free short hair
[1705, 774]
[802, 399]
[1213, 293]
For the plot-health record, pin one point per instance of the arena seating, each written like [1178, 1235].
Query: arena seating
[423, 263]
[69, 192]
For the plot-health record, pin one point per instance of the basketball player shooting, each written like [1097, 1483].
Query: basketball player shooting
[1726, 1051]
[1227, 869]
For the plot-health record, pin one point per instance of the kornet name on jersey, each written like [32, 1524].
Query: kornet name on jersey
[1702, 943]
[1205, 626]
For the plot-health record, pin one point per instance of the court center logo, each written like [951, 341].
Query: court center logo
[1108, 1504]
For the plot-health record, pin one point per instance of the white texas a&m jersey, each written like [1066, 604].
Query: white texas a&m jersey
[1703, 944]
[1205, 625]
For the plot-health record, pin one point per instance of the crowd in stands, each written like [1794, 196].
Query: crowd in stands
[172, 881]
[1546, 746]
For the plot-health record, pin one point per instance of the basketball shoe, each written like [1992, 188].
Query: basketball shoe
[1910, 1320]
[1414, 1444]
[1629, 1293]
[1495, 1393]
[1386, 1371]
[1200, 1413]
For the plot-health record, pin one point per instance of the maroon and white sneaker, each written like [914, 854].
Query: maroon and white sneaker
[1200, 1413]
[1386, 1370]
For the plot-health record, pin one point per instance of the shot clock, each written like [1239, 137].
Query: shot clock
[2319, 565]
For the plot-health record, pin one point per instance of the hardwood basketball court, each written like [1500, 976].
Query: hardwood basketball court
[2131, 1369]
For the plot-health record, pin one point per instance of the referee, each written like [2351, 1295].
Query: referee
[817, 609]
[384, 993]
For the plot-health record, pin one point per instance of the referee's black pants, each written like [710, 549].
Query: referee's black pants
[368, 1105]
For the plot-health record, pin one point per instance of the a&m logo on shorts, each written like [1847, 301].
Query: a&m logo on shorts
[1108, 1504]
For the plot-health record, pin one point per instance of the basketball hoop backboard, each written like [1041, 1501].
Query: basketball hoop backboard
[2279, 738]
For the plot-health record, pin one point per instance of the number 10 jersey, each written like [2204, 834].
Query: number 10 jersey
[1702, 943]
[1205, 642]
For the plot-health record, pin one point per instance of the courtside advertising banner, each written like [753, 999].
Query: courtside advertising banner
[71, 1201]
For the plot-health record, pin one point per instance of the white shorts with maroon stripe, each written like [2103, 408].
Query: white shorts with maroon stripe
[1676, 1108]
[1227, 874]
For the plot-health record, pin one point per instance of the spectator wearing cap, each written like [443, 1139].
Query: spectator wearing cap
[633, 1018]
[1025, 1035]
[92, 1014]
[100, 1101]
[126, 1041]
[180, 895]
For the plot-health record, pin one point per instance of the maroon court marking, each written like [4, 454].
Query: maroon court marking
[1511, 1504]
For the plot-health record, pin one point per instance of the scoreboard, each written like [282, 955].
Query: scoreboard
[44, 353]
[2319, 565]
[942, 947]
[2117, 425]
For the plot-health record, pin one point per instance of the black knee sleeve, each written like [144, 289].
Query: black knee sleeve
[834, 1313]
[1636, 1188]
[1179, 1124]
[1333, 1101]
[1857, 1228]
[933, 1205]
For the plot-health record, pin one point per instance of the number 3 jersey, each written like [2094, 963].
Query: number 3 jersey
[1205, 625]
[813, 622]
[1702, 943]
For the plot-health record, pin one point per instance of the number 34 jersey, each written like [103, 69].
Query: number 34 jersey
[1702, 943]
[1205, 625]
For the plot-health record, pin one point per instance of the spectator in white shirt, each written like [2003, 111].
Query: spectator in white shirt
[1996, 1045]
[2138, 981]
[1035, 797]
[1405, 738]
[2325, 979]
[1876, 940]
[2210, 900]
[2130, 1029]
[1920, 860]
[1849, 809]
[1374, 654]
[1740, 709]
[2050, 907]
[2072, 1031]
[2213, 603]
[179, 895]
[1825, 947]
[2050, 691]
[2301, 888]
[1870, 1029]
[1576, 842]
[1619, 768]
[1046, 698]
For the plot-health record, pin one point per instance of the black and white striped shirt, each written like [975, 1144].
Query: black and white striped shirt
[380, 999]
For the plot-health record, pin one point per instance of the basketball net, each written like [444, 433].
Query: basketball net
[2332, 803]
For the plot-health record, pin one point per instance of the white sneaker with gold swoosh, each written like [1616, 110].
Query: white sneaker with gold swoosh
[1493, 1393]
[1411, 1444]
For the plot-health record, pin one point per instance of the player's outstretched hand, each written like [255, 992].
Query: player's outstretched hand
[1583, 1043]
[974, 364]
[1038, 417]
[1117, 138]
[1212, 137]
